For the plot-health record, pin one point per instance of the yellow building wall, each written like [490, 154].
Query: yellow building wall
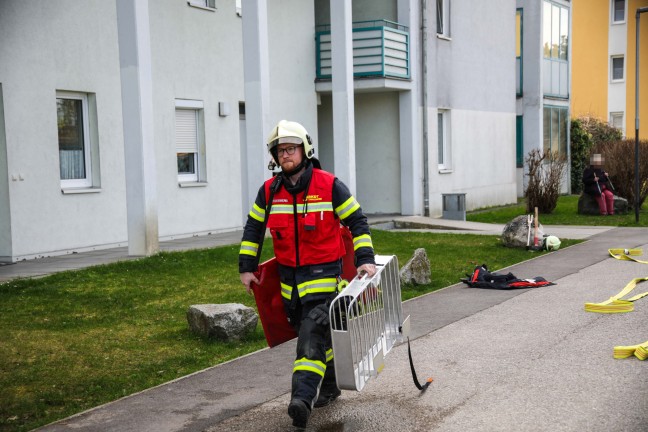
[633, 5]
[589, 78]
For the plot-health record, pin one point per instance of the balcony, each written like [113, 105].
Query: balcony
[380, 50]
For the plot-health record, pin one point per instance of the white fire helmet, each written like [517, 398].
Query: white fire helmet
[551, 243]
[291, 133]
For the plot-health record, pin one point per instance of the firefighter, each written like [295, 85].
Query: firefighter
[308, 205]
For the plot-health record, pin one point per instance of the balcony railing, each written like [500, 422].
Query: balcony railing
[380, 49]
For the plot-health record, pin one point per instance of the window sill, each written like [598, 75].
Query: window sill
[201, 7]
[446, 170]
[192, 184]
[72, 191]
[443, 37]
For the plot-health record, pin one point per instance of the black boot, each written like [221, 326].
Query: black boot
[299, 411]
[327, 396]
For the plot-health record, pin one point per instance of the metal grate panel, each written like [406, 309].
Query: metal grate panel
[366, 322]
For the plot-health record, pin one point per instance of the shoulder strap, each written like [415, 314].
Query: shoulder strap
[274, 187]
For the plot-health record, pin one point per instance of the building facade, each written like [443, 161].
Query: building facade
[543, 53]
[129, 121]
[604, 64]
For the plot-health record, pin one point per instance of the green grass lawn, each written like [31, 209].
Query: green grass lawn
[564, 214]
[75, 340]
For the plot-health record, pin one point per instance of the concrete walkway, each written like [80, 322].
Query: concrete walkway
[524, 360]
[75, 261]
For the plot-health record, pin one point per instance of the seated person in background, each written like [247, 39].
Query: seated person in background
[597, 184]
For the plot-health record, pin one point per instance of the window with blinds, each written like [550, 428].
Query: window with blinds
[187, 123]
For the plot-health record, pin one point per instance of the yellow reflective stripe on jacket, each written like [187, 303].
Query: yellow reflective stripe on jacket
[281, 209]
[615, 304]
[257, 213]
[319, 206]
[363, 240]
[626, 254]
[329, 355]
[640, 351]
[286, 291]
[249, 248]
[301, 208]
[349, 206]
[317, 286]
[314, 366]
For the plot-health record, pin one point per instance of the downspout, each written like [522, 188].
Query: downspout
[426, 186]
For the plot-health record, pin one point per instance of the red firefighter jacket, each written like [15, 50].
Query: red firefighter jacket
[304, 222]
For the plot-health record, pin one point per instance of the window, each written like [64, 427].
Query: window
[189, 140]
[616, 120]
[443, 139]
[555, 43]
[209, 4]
[555, 129]
[555, 32]
[443, 17]
[617, 68]
[75, 161]
[618, 11]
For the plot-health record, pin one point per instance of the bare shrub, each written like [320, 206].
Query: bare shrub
[619, 164]
[545, 177]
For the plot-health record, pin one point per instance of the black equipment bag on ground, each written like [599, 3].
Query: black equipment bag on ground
[482, 278]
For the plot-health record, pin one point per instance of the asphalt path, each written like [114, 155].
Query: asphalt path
[522, 360]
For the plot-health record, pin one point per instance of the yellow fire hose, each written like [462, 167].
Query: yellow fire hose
[616, 304]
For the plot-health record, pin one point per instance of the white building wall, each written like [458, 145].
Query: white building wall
[479, 168]
[291, 41]
[617, 46]
[291, 92]
[197, 54]
[5, 213]
[473, 76]
[62, 45]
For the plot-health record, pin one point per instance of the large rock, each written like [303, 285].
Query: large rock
[226, 322]
[516, 233]
[587, 205]
[417, 269]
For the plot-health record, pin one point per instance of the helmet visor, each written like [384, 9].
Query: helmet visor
[289, 140]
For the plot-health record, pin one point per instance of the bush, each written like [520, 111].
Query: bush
[587, 132]
[545, 176]
[619, 164]
[600, 130]
[580, 145]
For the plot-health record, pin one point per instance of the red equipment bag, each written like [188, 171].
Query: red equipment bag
[267, 294]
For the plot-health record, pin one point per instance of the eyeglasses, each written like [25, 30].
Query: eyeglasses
[288, 150]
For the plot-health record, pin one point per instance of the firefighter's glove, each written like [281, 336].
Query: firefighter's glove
[320, 314]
